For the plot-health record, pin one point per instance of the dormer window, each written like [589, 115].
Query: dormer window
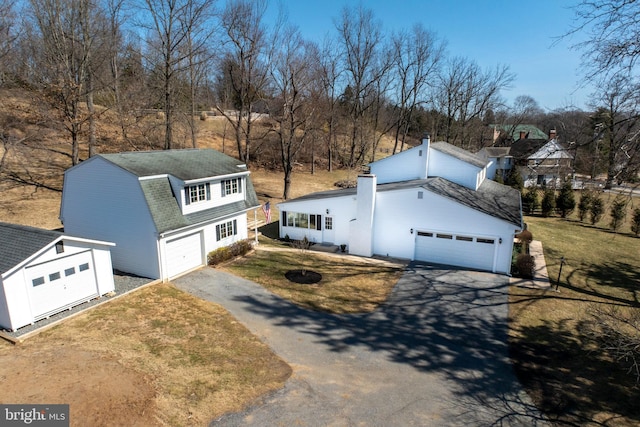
[197, 193]
[231, 186]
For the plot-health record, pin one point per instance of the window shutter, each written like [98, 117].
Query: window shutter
[235, 227]
[222, 186]
[208, 187]
[217, 232]
[187, 196]
[240, 185]
[284, 218]
[319, 223]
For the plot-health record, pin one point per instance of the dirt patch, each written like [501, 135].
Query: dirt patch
[99, 390]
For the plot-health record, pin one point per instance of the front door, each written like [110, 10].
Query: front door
[328, 235]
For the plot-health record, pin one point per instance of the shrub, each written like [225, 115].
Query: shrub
[203, 116]
[525, 237]
[530, 200]
[227, 253]
[525, 266]
[565, 202]
[548, 202]
[618, 212]
[596, 209]
[635, 221]
[514, 179]
[586, 198]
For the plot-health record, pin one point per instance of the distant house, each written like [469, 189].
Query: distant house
[43, 272]
[505, 135]
[165, 210]
[431, 203]
[542, 162]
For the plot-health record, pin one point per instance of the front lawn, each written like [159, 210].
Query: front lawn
[569, 377]
[158, 356]
[349, 284]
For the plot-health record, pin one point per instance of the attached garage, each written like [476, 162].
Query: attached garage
[44, 272]
[461, 250]
[184, 254]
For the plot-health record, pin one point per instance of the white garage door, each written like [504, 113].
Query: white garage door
[60, 284]
[183, 254]
[456, 249]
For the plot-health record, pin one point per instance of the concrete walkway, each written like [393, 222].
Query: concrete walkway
[435, 354]
[540, 276]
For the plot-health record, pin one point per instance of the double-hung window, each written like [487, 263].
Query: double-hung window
[231, 186]
[197, 193]
[226, 229]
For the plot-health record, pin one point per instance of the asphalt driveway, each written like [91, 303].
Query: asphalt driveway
[435, 354]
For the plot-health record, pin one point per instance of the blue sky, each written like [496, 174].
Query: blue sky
[518, 33]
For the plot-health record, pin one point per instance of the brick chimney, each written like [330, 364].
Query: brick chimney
[552, 134]
[523, 134]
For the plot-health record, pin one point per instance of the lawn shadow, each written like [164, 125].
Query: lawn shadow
[570, 382]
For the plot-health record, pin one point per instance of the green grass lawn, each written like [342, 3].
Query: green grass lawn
[569, 377]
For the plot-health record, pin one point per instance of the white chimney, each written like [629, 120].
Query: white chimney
[361, 228]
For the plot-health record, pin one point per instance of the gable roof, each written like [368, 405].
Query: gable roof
[551, 150]
[491, 198]
[459, 154]
[166, 213]
[186, 164]
[19, 242]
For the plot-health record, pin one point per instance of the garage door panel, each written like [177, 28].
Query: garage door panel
[183, 254]
[455, 249]
[61, 283]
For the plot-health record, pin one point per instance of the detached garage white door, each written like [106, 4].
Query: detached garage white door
[183, 254]
[61, 284]
[456, 249]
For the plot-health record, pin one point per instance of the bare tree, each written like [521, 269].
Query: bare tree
[7, 32]
[465, 93]
[360, 38]
[244, 67]
[177, 35]
[613, 36]
[617, 125]
[329, 77]
[417, 56]
[292, 75]
[66, 34]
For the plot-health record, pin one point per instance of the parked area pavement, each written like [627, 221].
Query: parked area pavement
[435, 354]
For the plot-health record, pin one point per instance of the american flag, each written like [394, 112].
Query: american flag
[266, 208]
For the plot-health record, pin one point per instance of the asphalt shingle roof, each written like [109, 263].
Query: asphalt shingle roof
[18, 242]
[491, 198]
[186, 164]
[459, 153]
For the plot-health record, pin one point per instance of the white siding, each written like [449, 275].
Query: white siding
[215, 190]
[105, 202]
[404, 166]
[16, 301]
[341, 209]
[397, 212]
[454, 170]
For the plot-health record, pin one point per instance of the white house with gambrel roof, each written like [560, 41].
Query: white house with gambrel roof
[432, 203]
[165, 210]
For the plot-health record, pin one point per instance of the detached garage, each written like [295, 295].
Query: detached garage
[44, 272]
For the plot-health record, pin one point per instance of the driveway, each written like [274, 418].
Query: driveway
[435, 354]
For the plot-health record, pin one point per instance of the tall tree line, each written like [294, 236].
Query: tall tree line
[328, 102]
